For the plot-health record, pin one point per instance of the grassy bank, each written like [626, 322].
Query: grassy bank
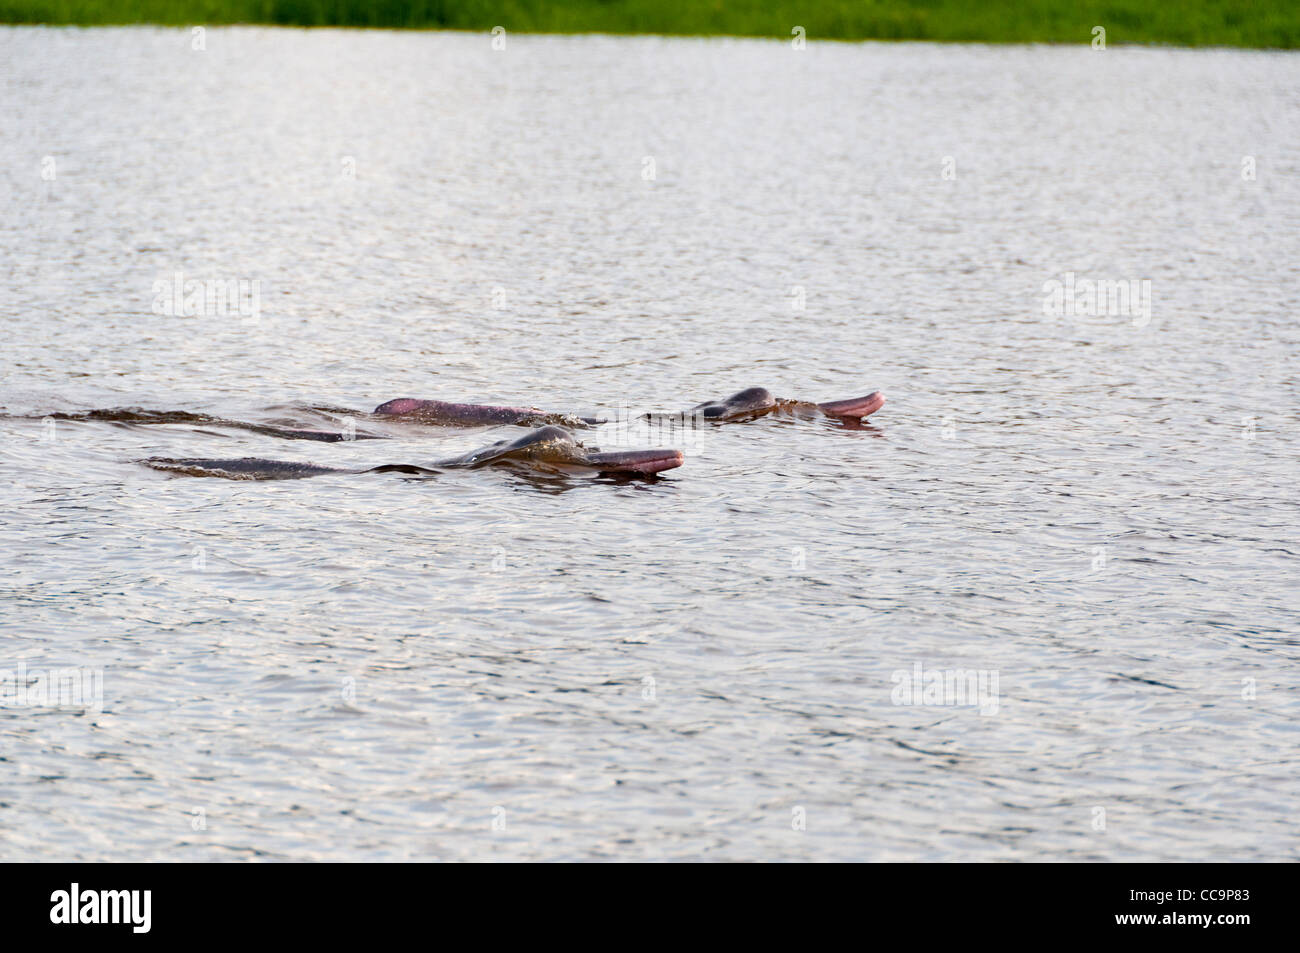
[1251, 23]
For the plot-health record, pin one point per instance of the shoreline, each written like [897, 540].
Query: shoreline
[1190, 24]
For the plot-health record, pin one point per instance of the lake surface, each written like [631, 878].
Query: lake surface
[1094, 512]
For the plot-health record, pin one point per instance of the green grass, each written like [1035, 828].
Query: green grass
[1249, 23]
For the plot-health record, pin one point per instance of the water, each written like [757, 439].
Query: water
[1097, 510]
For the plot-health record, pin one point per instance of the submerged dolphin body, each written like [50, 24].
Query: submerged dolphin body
[546, 447]
[442, 412]
[744, 405]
